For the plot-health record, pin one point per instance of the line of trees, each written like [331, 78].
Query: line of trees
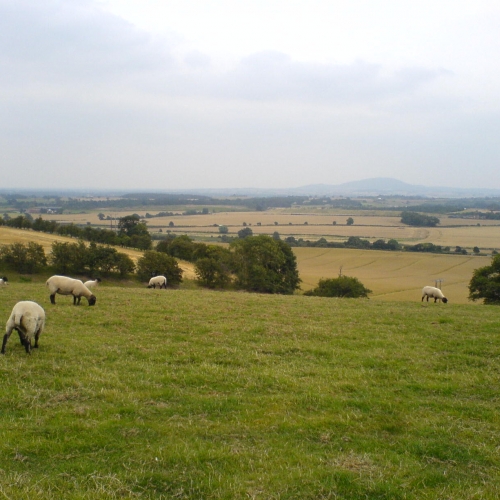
[419, 220]
[131, 231]
[253, 263]
[67, 258]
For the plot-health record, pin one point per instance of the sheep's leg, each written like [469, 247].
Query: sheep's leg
[5, 338]
[27, 345]
[21, 336]
[37, 336]
[53, 298]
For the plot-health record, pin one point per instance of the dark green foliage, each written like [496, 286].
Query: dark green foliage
[343, 286]
[25, 259]
[424, 247]
[485, 282]
[419, 220]
[223, 229]
[357, 242]
[158, 263]
[245, 232]
[77, 258]
[265, 265]
[136, 230]
[213, 266]
[350, 221]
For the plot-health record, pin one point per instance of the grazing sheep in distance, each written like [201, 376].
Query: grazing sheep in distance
[161, 281]
[3, 281]
[28, 319]
[433, 292]
[92, 283]
[69, 286]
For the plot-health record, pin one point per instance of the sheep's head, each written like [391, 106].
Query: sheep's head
[444, 299]
[92, 300]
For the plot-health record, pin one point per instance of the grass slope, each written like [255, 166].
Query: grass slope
[195, 394]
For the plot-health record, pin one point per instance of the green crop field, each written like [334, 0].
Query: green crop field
[192, 394]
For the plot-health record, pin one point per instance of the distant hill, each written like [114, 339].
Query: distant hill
[367, 187]
[385, 186]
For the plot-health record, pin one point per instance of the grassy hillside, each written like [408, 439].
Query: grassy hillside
[196, 394]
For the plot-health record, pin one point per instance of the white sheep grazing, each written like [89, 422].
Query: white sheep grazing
[92, 283]
[28, 319]
[161, 281]
[433, 292]
[3, 281]
[69, 286]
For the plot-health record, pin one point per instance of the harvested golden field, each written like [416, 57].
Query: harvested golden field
[391, 275]
[314, 225]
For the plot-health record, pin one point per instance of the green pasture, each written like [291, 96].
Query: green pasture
[158, 394]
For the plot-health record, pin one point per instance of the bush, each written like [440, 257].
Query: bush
[343, 286]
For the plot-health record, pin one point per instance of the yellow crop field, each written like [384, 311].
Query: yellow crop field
[396, 276]
[313, 225]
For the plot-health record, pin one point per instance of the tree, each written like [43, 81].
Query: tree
[245, 232]
[264, 265]
[223, 229]
[212, 273]
[136, 230]
[485, 282]
[343, 286]
[349, 221]
[68, 258]
[158, 262]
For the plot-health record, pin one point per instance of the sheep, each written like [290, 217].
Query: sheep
[28, 319]
[92, 283]
[3, 281]
[433, 292]
[161, 281]
[69, 286]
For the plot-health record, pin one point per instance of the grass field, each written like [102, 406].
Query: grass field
[194, 394]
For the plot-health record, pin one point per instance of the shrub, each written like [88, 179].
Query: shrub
[343, 286]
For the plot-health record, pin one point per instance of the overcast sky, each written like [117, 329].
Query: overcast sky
[154, 94]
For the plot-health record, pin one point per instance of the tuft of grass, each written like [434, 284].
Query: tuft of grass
[198, 394]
